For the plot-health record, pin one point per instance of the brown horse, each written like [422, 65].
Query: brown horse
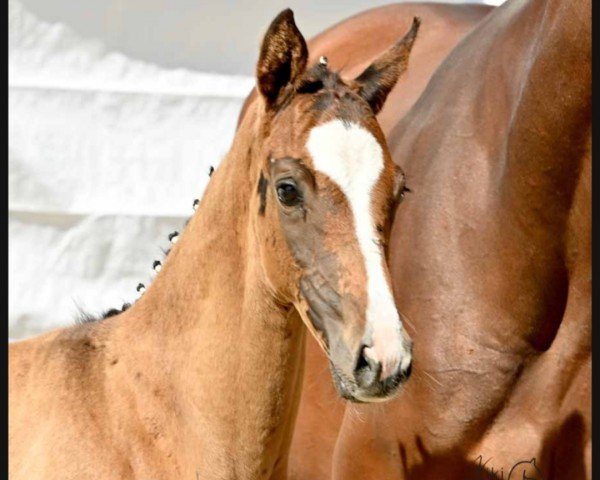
[201, 377]
[491, 261]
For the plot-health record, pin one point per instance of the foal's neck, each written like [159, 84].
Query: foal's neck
[229, 355]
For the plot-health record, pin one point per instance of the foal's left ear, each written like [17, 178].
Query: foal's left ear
[376, 82]
[283, 56]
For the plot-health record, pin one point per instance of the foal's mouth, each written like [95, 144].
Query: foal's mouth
[378, 391]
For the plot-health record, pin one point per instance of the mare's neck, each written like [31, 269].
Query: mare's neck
[228, 352]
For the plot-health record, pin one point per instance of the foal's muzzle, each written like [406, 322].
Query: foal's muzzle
[368, 383]
[371, 381]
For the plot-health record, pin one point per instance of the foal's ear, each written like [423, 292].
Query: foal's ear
[376, 82]
[283, 56]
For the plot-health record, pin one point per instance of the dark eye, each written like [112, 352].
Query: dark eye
[288, 194]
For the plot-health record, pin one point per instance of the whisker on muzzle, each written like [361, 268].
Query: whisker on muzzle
[404, 316]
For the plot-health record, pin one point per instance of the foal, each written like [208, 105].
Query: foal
[200, 378]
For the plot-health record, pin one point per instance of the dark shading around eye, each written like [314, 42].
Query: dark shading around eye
[262, 191]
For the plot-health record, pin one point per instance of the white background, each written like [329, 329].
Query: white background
[117, 109]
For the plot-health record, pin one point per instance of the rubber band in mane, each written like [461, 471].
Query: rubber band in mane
[84, 317]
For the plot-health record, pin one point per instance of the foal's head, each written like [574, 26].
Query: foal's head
[326, 187]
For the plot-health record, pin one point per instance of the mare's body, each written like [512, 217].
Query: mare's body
[490, 257]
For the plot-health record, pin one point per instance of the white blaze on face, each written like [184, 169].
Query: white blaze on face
[352, 158]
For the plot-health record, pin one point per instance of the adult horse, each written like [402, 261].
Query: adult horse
[491, 261]
[201, 377]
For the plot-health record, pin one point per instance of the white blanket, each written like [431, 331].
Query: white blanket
[106, 155]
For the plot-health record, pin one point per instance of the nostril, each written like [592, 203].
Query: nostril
[361, 362]
[406, 373]
[367, 370]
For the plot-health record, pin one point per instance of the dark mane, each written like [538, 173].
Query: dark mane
[86, 317]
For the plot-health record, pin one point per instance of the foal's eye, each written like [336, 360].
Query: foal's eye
[288, 194]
